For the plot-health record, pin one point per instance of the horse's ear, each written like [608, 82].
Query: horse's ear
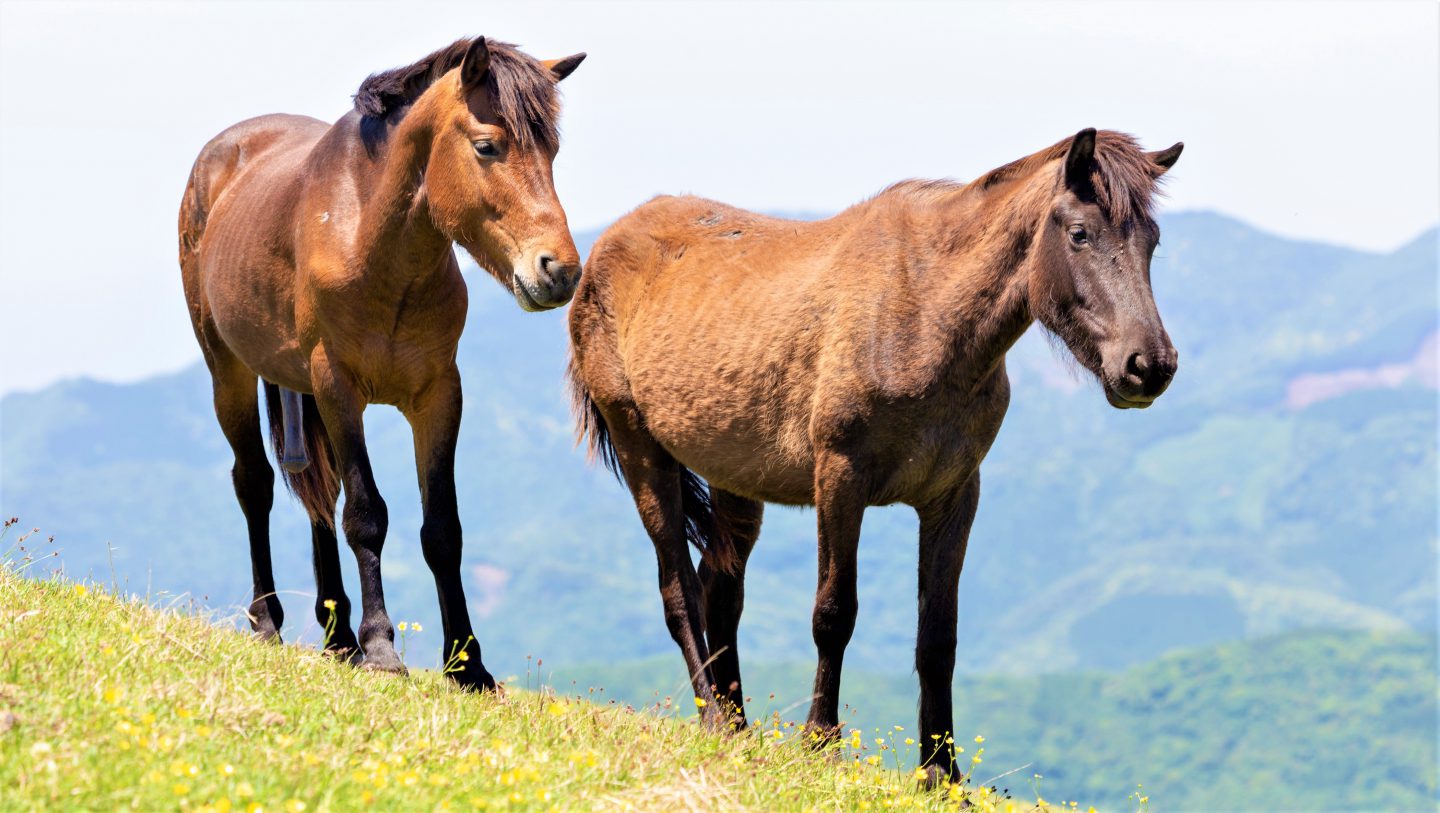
[1166, 158]
[476, 63]
[564, 66]
[1080, 160]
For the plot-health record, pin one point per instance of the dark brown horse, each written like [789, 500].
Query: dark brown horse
[851, 362]
[318, 258]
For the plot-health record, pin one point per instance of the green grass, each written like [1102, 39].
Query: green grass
[108, 703]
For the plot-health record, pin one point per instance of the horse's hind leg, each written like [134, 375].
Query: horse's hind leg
[839, 509]
[725, 596]
[237, 406]
[332, 605]
[654, 478]
[944, 531]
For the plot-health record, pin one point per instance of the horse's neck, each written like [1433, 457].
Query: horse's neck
[396, 233]
[981, 308]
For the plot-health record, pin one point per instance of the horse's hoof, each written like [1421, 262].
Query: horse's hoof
[266, 633]
[387, 662]
[345, 654]
[935, 778]
[472, 678]
[713, 719]
[736, 723]
[820, 736]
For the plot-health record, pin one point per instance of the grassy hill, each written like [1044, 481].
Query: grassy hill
[108, 703]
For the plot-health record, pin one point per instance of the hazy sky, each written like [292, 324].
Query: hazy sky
[1314, 120]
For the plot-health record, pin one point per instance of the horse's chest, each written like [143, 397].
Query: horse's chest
[924, 450]
[394, 341]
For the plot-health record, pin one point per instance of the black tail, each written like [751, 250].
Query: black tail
[705, 528]
[317, 486]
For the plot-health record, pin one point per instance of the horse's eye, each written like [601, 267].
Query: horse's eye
[1078, 236]
[486, 149]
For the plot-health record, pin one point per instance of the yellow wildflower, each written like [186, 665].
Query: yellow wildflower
[294, 806]
[329, 603]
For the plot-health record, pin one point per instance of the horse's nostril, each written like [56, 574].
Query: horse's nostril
[1137, 365]
[545, 262]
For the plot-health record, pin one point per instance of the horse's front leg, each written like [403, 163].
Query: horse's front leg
[435, 420]
[365, 519]
[839, 508]
[944, 532]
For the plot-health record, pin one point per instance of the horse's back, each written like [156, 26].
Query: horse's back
[235, 149]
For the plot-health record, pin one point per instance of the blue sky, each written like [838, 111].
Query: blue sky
[1313, 120]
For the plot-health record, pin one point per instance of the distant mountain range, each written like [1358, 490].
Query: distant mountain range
[1286, 481]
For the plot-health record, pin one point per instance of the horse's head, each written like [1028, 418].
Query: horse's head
[1090, 283]
[489, 184]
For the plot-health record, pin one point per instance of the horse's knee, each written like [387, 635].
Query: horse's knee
[332, 607]
[724, 593]
[254, 483]
[935, 654]
[440, 542]
[366, 522]
[834, 621]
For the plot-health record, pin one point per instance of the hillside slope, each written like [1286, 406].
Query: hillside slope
[109, 704]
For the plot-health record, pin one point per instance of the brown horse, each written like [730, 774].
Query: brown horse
[318, 258]
[851, 362]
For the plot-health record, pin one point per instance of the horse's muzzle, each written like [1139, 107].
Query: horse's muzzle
[546, 283]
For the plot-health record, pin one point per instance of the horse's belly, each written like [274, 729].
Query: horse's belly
[253, 312]
[741, 444]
